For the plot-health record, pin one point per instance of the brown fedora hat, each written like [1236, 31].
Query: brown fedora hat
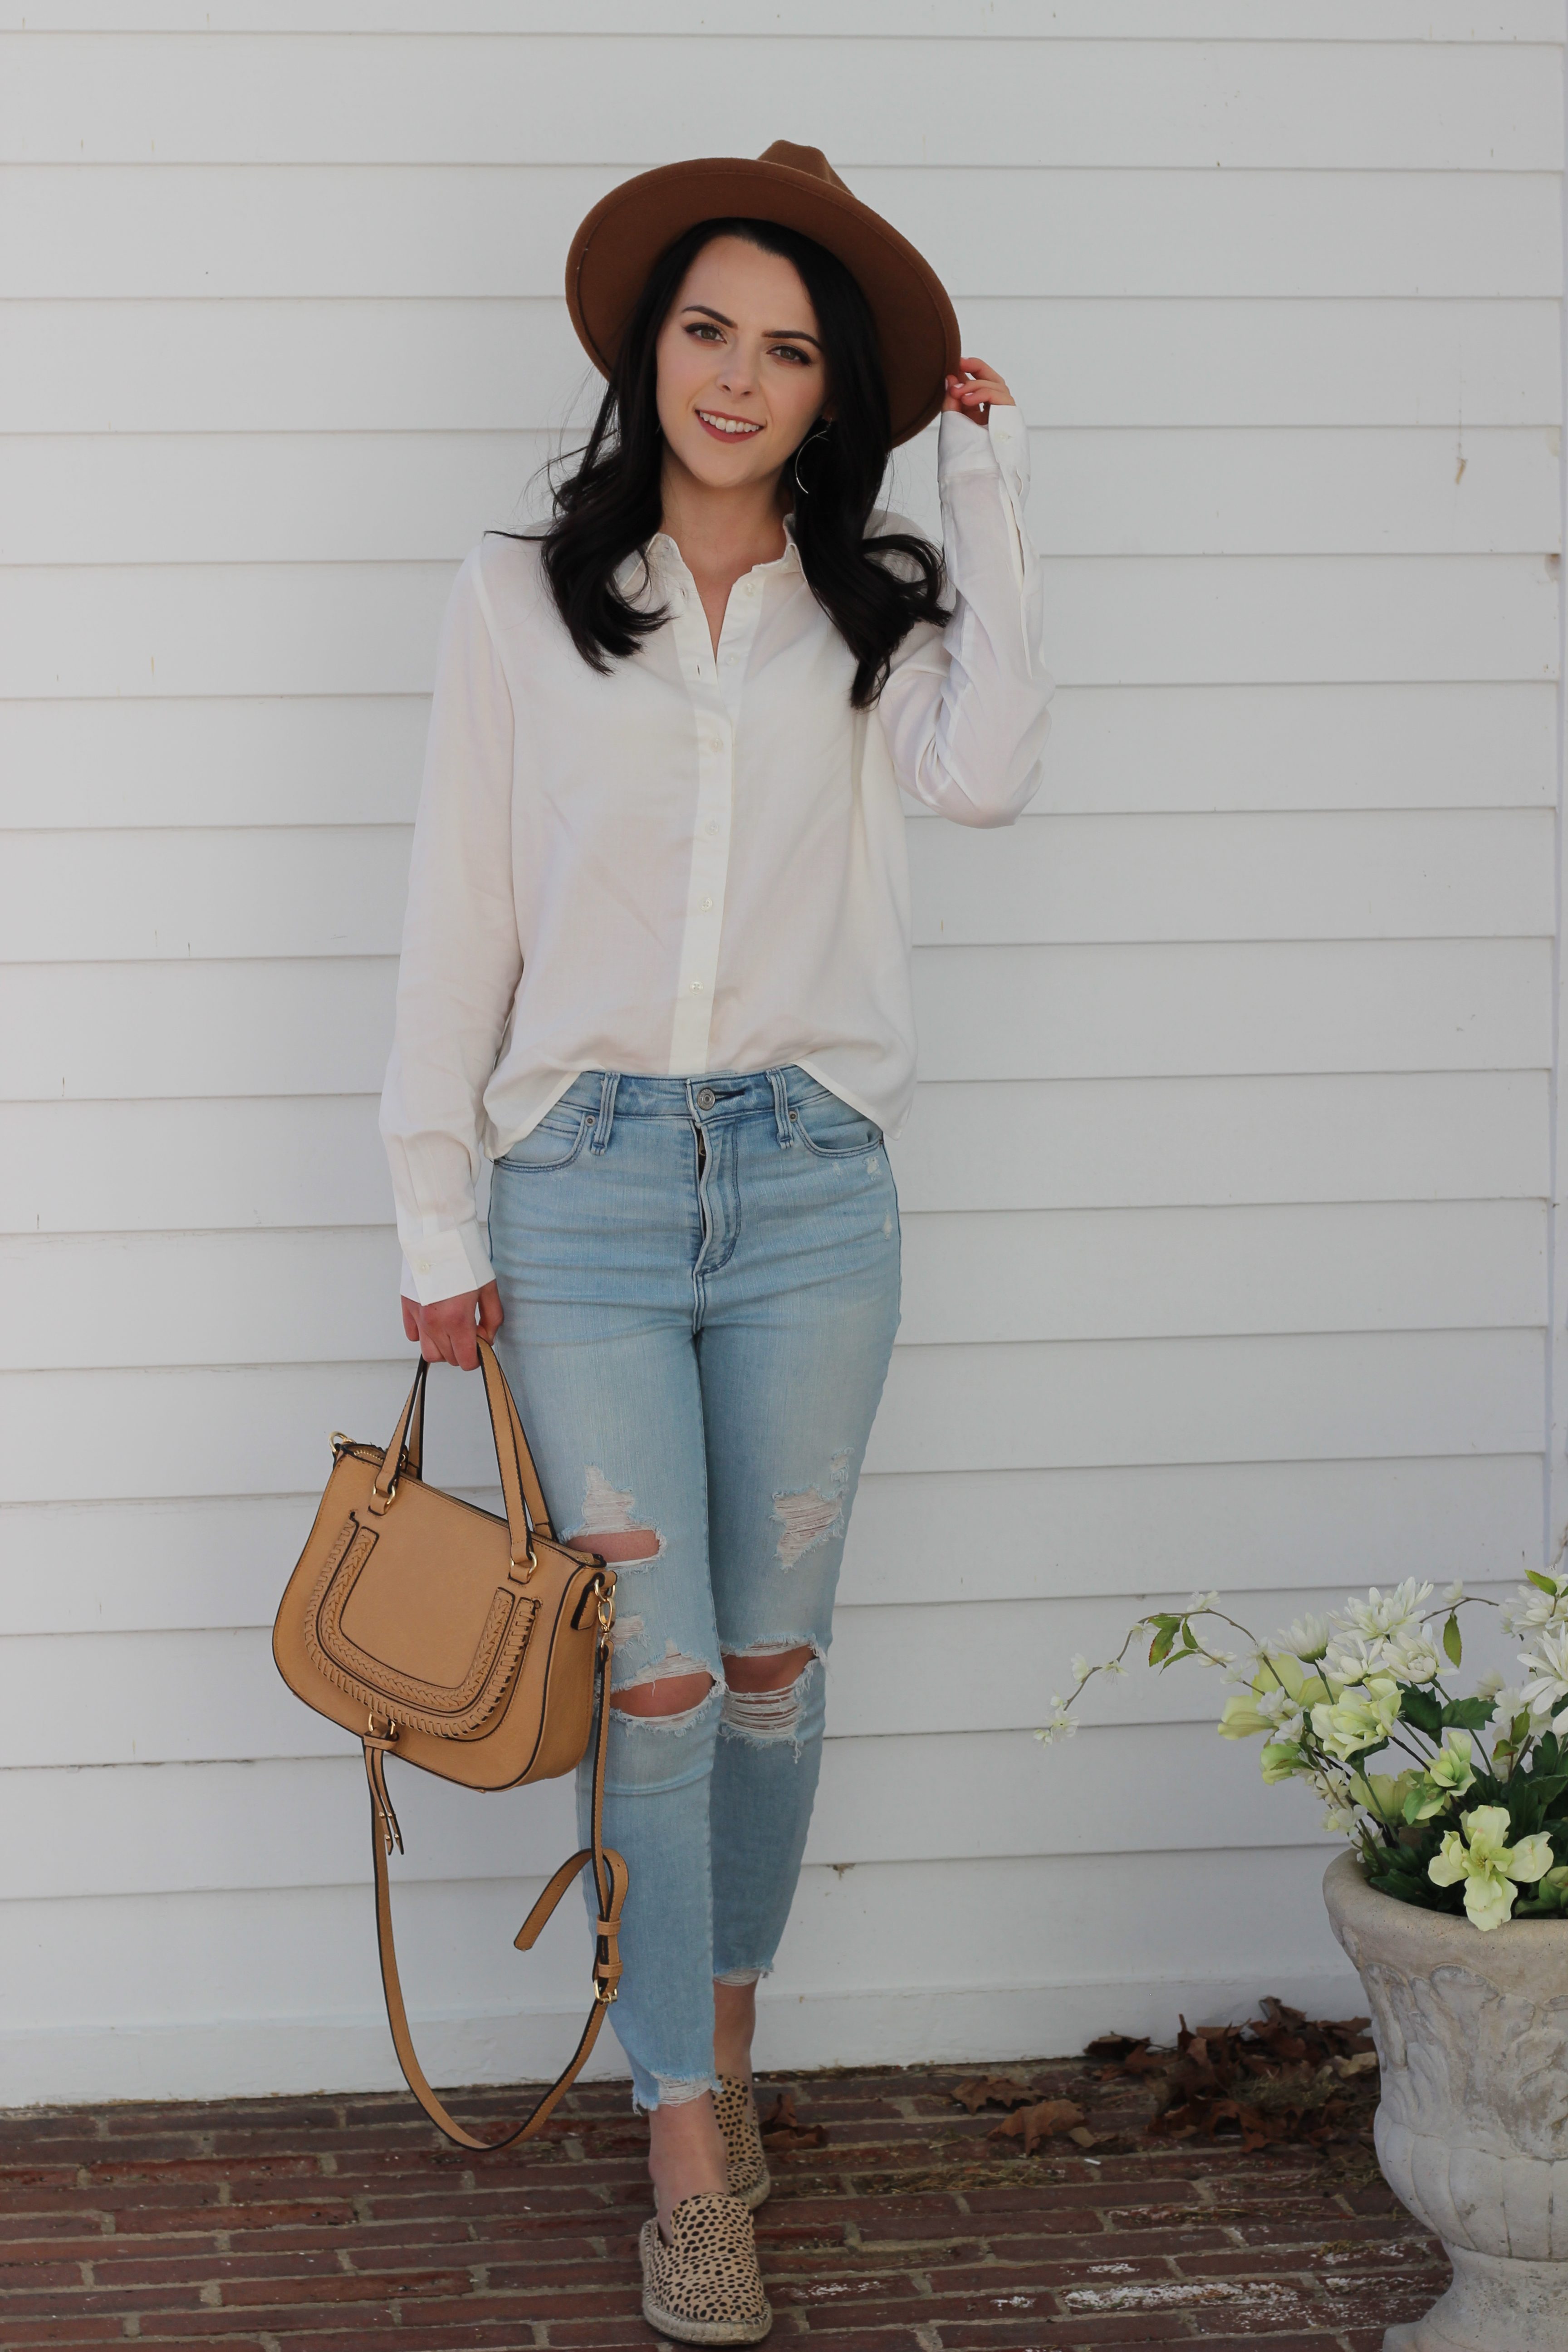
[626, 231]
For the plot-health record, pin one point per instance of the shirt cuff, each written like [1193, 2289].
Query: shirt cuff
[1002, 446]
[1002, 454]
[445, 1266]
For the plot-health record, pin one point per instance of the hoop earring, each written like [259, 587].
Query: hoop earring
[819, 436]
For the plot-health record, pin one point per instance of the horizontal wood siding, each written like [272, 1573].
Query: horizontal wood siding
[1225, 1201]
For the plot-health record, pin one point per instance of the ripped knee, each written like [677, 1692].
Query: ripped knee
[676, 1685]
[766, 1692]
[671, 1695]
[766, 1670]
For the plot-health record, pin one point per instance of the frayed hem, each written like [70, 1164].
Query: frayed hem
[675, 2091]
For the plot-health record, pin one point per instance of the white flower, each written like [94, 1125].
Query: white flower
[1340, 1818]
[1222, 1657]
[1061, 1725]
[1452, 1595]
[1531, 1607]
[1382, 1613]
[1199, 1601]
[1546, 1684]
[1113, 1666]
[1078, 1667]
[1489, 1685]
[1307, 1638]
[1409, 1655]
[1348, 1659]
[1402, 1648]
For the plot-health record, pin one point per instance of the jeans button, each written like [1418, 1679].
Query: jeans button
[706, 1098]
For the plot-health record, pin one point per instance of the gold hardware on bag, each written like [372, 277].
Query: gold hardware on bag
[410, 1632]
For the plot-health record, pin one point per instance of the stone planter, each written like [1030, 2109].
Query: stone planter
[1472, 2131]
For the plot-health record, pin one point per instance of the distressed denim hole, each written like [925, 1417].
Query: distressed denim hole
[768, 1719]
[669, 1695]
[814, 1517]
[609, 1525]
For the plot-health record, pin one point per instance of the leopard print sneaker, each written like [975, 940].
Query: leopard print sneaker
[747, 2166]
[704, 2287]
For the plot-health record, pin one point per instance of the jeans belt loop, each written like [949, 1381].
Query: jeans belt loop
[781, 1109]
[608, 1082]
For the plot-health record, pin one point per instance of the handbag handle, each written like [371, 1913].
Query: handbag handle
[523, 1495]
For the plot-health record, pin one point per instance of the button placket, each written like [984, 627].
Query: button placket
[698, 959]
[715, 688]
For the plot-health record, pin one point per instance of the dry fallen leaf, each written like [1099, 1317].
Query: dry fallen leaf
[993, 2091]
[1038, 2123]
[782, 2128]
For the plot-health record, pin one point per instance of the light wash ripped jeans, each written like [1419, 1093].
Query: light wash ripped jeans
[700, 1286]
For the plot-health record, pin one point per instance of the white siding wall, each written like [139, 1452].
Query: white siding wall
[1226, 1196]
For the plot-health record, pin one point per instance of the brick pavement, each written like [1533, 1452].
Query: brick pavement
[344, 2224]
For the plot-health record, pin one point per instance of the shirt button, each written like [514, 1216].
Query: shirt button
[706, 1098]
[421, 1265]
[707, 906]
[711, 825]
[696, 988]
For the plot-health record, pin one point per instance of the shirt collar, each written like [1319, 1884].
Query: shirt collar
[665, 561]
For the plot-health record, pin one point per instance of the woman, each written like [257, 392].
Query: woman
[656, 967]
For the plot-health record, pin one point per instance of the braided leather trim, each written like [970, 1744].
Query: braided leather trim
[444, 1710]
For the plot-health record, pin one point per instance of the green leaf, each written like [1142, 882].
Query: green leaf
[1453, 1647]
[1425, 1712]
[1189, 1638]
[1541, 1583]
[1465, 1713]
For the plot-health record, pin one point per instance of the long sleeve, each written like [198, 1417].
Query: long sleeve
[461, 960]
[964, 710]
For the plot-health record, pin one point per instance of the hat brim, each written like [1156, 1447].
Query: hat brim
[626, 231]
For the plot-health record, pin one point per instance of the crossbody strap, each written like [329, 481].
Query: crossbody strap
[610, 1878]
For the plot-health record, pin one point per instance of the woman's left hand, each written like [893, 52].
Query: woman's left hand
[975, 391]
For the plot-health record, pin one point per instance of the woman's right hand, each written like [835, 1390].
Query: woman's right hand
[449, 1331]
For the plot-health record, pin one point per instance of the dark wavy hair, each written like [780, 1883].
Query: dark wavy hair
[609, 506]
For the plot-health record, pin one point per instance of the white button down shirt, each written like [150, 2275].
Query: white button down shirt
[696, 862]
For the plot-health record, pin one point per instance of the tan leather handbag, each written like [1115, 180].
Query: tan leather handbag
[471, 1646]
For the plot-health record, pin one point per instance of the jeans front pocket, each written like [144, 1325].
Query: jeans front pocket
[554, 1144]
[831, 1128]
